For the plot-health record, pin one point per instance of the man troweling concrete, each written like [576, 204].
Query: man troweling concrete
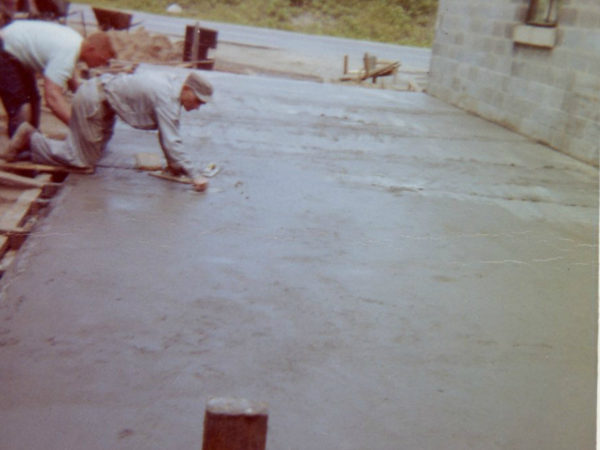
[29, 47]
[146, 100]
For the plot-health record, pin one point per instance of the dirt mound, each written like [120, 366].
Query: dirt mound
[140, 45]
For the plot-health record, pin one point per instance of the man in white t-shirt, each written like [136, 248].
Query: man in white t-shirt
[30, 47]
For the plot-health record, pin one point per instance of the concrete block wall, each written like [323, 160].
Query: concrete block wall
[549, 94]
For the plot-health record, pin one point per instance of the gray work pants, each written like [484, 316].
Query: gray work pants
[90, 128]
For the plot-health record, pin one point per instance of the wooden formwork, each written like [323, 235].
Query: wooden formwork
[25, 192]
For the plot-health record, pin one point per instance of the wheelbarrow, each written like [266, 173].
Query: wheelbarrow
[108, 19]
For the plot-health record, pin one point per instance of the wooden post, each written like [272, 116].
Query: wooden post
[235, 424]
[196, 42]
[345, 64]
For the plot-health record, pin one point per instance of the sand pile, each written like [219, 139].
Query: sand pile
[139, 45]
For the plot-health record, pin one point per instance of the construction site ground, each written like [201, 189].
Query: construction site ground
[384, 270]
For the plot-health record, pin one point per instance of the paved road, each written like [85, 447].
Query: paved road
[321, 49]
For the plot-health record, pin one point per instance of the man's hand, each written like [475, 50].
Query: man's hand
[200, 184]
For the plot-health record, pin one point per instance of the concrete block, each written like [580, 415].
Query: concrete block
[587, 85]
[552, 97]
[589, 19]
[544, 37]
[593, 65]
[581, 40]
[537, 79]
[567, 16]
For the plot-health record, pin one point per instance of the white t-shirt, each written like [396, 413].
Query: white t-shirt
[45, 47]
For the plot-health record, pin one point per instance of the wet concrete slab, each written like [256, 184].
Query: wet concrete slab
[384, 270]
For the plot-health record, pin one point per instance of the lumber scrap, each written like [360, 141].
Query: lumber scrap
[25, 166]
[8, 257]
[17, 231]
[200, 184]
[209, 171]
[4, 245]
[149, 161]
[14, 220]
[372, 68]
[170, 177]
[387, 69]
[19, 181]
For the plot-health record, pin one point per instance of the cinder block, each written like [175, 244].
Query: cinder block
[535, 36]
[534, 79]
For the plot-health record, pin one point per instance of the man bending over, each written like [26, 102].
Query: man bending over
[146, 101]
[29, 47]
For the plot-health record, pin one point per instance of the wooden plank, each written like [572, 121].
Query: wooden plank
[209, 171]
[4, 245]
[200, 185]
[149, 161]
[30, 166]
[15, 231]
[383, 71]
[15, 215]
[8, 256]
[167, 176]
[19, 181]
[17, 236]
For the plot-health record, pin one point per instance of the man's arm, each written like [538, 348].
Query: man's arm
[73, 84]
[58, 104]
[172, 147]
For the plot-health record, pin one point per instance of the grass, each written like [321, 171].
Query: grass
[403, 22]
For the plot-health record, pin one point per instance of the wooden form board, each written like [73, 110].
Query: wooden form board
[149, 161]
[29, 166]
[167, 176]
[13, 227]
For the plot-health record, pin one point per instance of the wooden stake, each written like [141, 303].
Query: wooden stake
[235, 424]
[195, 42]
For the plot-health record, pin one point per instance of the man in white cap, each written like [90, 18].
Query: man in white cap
[146, 100]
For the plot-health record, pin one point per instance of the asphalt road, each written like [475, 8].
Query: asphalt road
[310, 45]
[283, 52]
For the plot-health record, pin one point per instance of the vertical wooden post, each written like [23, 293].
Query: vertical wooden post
[345, 64]
[196, 43]
[235, 424]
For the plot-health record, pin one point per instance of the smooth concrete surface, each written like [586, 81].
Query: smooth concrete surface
[384, 270]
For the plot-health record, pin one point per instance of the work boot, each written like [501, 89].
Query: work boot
[19, 142]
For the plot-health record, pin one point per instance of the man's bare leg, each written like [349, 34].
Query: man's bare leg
[18, 142]
[24, 114]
